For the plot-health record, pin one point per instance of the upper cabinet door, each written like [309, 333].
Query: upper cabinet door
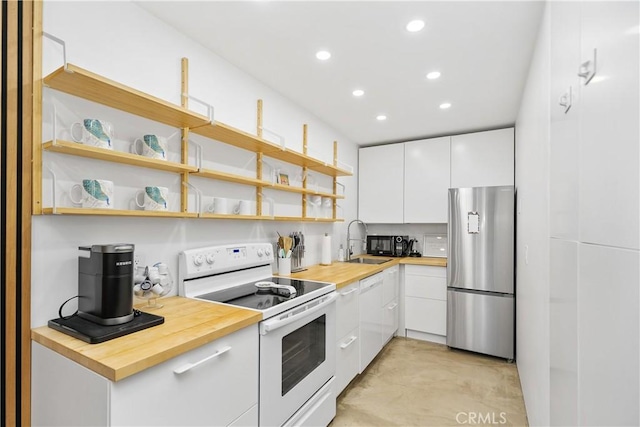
[426, 180]
[380, 184]
[609, 134]
[482, 159]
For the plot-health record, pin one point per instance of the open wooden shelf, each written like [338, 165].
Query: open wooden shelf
[76, 149]
[117, 212]
[230, 177]
[232, 216]
[240, 139]
[305, 219]
[85, 84]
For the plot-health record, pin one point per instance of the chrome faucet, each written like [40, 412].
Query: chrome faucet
[349, 239]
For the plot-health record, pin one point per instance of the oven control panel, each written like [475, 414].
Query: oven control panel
[194, 263]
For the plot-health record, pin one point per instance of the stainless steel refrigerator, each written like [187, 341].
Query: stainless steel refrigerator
[480, 270]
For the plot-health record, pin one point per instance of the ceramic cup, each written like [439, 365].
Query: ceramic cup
[93, 193]
[153, 198]
[152, 146]
[220, 205]
[243, 207]
[94, 132]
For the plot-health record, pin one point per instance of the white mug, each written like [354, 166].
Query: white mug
[220, 205]
[284, 266]
[95, 132]
[315, 200]
[93, 193]
[152, 146]
[153, 198]
[243, 207]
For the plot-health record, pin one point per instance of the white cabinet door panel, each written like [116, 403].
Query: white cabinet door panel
[482, 159]
[380, 184]
[347, 359]
[426, 287]
[390, 285]
[608, 336]
[347, 309]
[426, 315]
[610, 170]
[563, 333]
[426, 180]
[425, 270]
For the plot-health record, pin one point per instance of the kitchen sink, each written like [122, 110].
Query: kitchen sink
[368, 261]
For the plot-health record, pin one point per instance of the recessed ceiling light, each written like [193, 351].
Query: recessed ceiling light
[358, 92]
[323, 55]
[415, 26]
[433, 75]
[381, 117]
[445, 105]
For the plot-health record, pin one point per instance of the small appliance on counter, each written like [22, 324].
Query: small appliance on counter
[388, 245]
[413, 248]
[105, 296]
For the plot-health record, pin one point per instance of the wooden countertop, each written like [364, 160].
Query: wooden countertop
[344, 273]
[188, 324]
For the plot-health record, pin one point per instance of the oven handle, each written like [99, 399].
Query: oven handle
[307, 310]
[188, 366]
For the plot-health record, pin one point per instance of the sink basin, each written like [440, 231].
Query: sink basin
[368, 261]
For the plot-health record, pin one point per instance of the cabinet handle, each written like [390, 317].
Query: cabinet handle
[188, 366]
[588, 68]
[391, 307]
[344, 294]
[566, 99]
[348, 343]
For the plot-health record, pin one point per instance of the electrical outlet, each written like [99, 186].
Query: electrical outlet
[138, 260]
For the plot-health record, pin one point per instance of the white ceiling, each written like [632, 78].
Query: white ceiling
[481, 48]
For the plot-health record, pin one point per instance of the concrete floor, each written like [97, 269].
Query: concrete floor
[417, 383]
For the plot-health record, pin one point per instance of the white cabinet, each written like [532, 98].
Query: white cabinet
[221, 391]
[390, 306]
[380, 184]
[482, 159]
[609, 133]
[425, 302]
[370, 318]
[427, 178]
[348, 334]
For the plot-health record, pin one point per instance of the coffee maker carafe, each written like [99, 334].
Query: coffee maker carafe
[105, 283]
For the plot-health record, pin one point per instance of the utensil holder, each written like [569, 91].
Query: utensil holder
[284, 266]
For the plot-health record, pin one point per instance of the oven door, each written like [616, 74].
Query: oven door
[297, 357]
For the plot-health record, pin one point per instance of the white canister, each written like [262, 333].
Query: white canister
[326, 250]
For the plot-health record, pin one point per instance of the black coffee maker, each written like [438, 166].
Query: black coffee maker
[105, 283]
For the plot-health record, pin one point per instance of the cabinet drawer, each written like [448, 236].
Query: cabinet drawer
[347, 359]
[425, 270]
[426, 315]
[427, 287]
[347, 309]
[390, 285]
[216, 392]
[390, 320]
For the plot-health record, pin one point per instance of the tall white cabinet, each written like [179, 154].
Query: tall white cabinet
[594, 172]
[426, 180]
[482, 159]
[380, 184]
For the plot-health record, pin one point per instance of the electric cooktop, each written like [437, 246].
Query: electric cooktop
[249, 295]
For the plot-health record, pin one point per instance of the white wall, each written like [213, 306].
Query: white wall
[122, 42]
[532, 250]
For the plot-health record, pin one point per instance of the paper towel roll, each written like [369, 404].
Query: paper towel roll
[326, 250]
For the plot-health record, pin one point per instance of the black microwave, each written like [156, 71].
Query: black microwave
[388, 245]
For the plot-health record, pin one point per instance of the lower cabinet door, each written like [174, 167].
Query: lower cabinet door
[390, 320]
[347, 360]
[426, 315]
[210, 385]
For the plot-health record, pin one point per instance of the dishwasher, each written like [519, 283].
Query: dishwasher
[371, 318]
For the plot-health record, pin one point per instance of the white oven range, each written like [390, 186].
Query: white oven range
[297, 333]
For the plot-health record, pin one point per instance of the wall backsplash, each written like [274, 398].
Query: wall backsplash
[416, 231]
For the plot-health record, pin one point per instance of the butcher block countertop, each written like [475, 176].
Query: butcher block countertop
[344, 273]
[188, 324]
